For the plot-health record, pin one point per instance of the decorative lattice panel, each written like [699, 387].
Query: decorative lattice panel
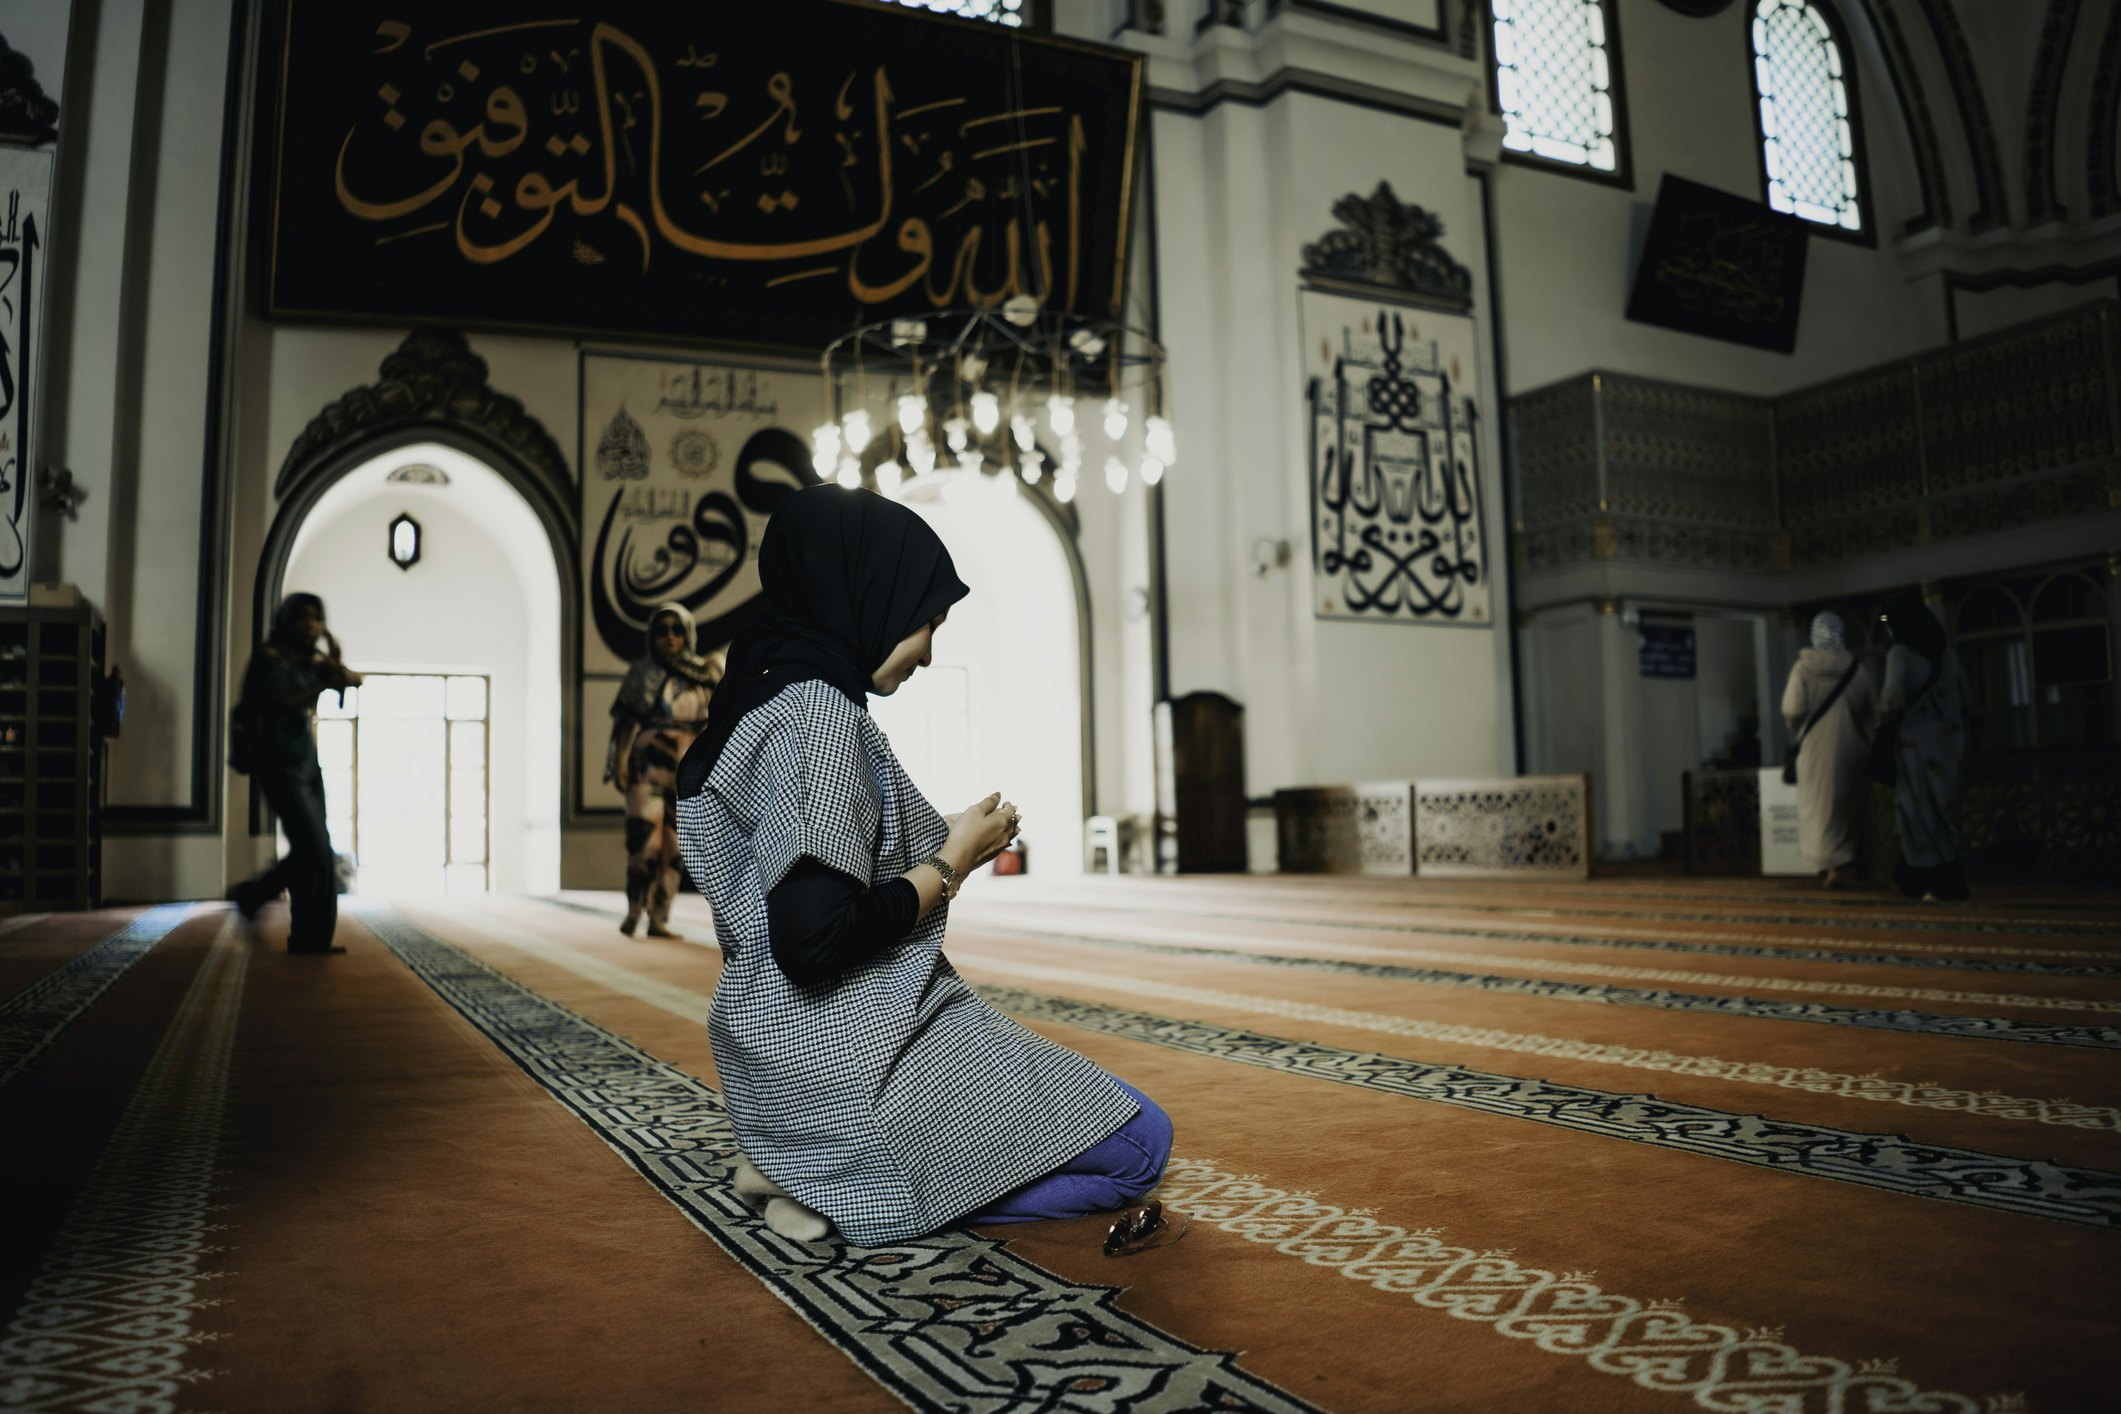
[1366, 828]
[1554, 77]
[1808, 138]
[1722, 822]
[1538, 826]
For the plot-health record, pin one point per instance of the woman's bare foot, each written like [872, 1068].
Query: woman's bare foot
[785, 1215]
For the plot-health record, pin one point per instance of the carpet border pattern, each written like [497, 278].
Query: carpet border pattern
[34, 1017]
[1989, 1104]
[1654, 1344]
[106, 1325]
[1891, 1162]
[1994, 1028]
[950, 1322]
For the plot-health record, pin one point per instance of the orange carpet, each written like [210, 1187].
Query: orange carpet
[1632, 1144]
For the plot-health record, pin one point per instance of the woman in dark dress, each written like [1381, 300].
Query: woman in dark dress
[275, 725]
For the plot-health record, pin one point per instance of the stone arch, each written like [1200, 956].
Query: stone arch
[433, 388]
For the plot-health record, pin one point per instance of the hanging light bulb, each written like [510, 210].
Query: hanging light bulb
[912, 413]
[1064, 489]
[1025, 434]
[857, 423]
[972, 461]
[920, 454]
[1060, 414]
[1115, 419]
[1158, 439]
[986, 413]
[958, 432]
[1152, 471]
[1115, 474]
[850, 473]
[1032, 467]
[1071, 454]
[825, 447]
[889, 476]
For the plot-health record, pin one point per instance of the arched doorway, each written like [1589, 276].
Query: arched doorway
[1005, 706]
[494, 498]
[443, 774]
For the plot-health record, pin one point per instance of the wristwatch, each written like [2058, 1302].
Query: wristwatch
[952, 880]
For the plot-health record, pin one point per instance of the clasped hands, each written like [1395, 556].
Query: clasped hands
[980, 831]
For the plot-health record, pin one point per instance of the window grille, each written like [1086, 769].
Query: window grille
[1807, 114]
[1015, 14]
[1557, 81]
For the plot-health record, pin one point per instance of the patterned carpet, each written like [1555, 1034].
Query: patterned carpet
[1635, 1144]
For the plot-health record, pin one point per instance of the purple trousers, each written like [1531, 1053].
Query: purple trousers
[1108, 1175]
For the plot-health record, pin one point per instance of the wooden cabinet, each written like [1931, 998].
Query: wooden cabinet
[51, 759]
[1200, 785]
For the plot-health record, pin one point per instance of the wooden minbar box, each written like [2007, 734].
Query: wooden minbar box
[1200, 785]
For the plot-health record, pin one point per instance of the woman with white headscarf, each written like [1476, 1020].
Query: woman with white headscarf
[1829, 704]
[661, 707]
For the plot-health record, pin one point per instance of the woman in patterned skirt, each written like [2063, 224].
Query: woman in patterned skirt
[661, 707]
[869, 1087]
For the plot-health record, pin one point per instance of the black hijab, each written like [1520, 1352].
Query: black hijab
[1915, 626]
[846, 576]
[286, 622]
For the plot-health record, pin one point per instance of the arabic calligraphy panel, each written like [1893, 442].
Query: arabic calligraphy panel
[1721, 266]
[770, 176]
[25, 207]
[1397, 527]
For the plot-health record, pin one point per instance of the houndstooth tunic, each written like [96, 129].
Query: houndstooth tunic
[896, 1100]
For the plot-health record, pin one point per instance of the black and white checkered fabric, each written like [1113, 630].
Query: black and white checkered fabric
[895, 1101]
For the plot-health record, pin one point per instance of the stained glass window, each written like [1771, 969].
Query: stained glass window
[1555, 78]
[1013, 13]
[1807, 114]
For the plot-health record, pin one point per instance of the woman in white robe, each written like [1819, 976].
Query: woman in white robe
[1832, 791]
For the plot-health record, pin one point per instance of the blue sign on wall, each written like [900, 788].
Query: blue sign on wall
[1667, 651]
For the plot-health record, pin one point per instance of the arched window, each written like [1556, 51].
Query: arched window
[1805, 114]
[1016, 14]
[1557, 81]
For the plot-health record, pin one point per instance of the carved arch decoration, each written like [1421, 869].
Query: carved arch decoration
[1992, 200]
[2102, 179]
[1915, 114]
[27, 113]
[2043, 109]
[433, 388]
[1388, 244]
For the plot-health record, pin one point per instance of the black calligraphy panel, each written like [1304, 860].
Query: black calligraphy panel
[768, 173]
[1721, 266]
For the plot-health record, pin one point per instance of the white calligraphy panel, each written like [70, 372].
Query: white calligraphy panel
[25, 203]
[1397, 528]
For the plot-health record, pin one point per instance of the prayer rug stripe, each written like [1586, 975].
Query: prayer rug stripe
[1758, 1008]
[1598, 904]
[1891, 1162]
[1986, 1104]
[1655, 974]
[34, 1017]
[949, 1322]
[1651, 1343]
[1961, 958]
[107, 1323]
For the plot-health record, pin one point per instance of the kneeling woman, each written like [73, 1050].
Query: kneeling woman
[867, 1083]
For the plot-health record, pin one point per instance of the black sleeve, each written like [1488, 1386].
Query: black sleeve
[825, 923]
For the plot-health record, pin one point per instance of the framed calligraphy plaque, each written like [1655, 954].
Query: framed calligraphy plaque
[764, 174]
[1721, 266]
[682, 464]
[25, 205]
[1397, 522]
